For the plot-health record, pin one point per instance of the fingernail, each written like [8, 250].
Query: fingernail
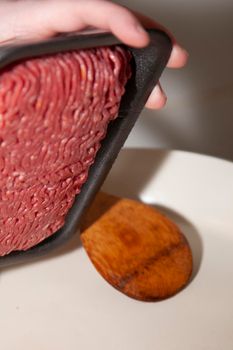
[140, 29]
[185, 52]
[157, 99]
[159, 90]
[181, 48]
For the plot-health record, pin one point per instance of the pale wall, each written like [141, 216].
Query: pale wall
[199, 113]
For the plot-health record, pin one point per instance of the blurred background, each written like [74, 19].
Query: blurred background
[199, 112]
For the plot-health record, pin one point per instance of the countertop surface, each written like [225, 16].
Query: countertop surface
[61, 302]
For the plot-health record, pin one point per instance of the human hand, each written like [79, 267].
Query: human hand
[40, 19]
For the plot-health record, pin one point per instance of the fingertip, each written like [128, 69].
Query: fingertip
[179, 57]
[132, 34]
[156, 105]
[128, 28]
[157, 99]
[142, 36]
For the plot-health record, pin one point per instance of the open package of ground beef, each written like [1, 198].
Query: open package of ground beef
[67, 106]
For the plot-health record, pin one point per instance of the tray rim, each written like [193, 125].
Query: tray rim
[118, 130]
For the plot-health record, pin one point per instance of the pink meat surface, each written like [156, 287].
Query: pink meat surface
[54, 112]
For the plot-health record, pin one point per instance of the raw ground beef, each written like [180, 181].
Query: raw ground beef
[54, 111]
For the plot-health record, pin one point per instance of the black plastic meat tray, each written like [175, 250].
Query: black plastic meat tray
[147, 65]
